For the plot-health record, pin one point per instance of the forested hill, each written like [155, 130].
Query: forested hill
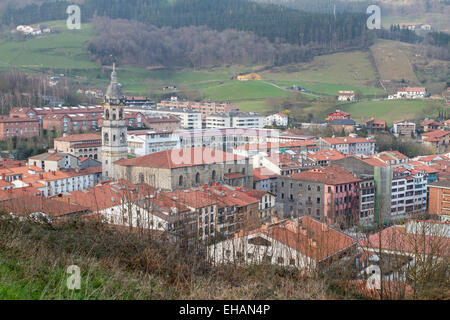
[265, 20]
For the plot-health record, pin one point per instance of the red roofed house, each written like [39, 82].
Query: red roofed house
[329, 193]
[346, 96]
[439, 140]
[34, 206]
[375, 125]
[306, 244]
[430, 125]
[338, 114]
[181, 168]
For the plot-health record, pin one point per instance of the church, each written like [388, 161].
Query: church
[169, 169]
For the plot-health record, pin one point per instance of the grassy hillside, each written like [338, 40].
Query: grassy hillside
[391, 110]
[123, 265]
[397, 61]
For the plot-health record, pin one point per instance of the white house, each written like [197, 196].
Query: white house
[277, 119]
[346, 96]
[409, 93]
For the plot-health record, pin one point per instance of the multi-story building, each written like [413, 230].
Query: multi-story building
[189, 119]
[162, 122]
[53, 161]
[247, 120]
[55, 182]
[79, 122]
[328, 193]
[439, 140]
[205, 108]
[18, 127]
[431, 125]
[40, 113]
[439, 200]
[375, 125]
[143, 142]
[349, 145]
[403, 128]
[277, 119]
[217, 120]
[86, 145]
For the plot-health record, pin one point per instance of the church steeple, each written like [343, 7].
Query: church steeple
[114, 129]
[113, 94]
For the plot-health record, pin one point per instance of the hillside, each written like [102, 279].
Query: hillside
[123, 265]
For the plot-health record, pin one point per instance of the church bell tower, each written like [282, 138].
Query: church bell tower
[114, 129]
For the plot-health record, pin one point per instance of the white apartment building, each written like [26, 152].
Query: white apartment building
[349, 145]
[143, 142]
[247, 120]
[217, 120]
[408, 192]
[189, 119]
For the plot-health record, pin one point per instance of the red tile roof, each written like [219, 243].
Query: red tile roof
[80, 137]
[310, 237]
[263, 174]
[27, 204]
[346, 140]
[179, 158]
[329, 175]
[396, 238]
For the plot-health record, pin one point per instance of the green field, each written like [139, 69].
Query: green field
[391, 110]
[330, 73]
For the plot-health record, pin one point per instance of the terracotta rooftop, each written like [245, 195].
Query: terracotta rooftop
[329, 175]
[27, 204]
[308, 236]
[179, 158]
[80, 137]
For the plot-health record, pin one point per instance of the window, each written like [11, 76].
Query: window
[213, 175]
[292, 262]
[180, 181]
[197, 178]
[318, 188]
[106, 137]
[280, 260]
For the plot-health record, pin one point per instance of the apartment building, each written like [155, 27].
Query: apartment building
[205, 108]
[439, 200]
[329, 194]
[86, 145]
[403, 128]
[54, 161]
[143, 142]
[349, 145]
[247, 120]
[189, 119]
[11, 127]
